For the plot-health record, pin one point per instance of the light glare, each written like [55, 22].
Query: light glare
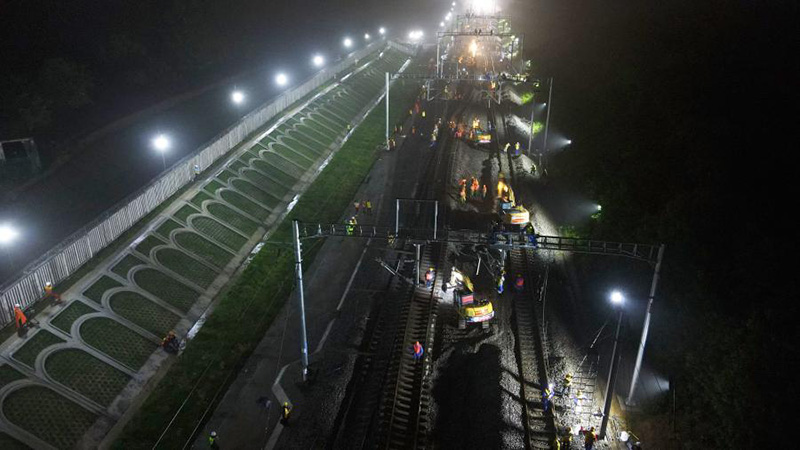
[281, 79]
[161, 143]
[7, 234]
[382, 30]
[318, 60]
[617, 298]
[237, 97]
[348, 42]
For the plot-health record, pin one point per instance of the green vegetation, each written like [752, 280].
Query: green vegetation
[68, 316]
[186, 266]
[96, 290]
[127, 263]
[166, 288]
[62, 423]
[143, 312]
[117, 341]
[222, 344]
[9, 374]
[86, 374]
[30, 350]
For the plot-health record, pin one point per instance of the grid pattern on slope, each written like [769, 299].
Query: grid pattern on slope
[117, 341]
[218, 232]
[126, 264]
[104, 283]
[233, 218]
[203, 248]
[38, 342]
[69, 315]
[186, 266]
[48, 415]
[143, 312]
[86, 374]
[166, 288]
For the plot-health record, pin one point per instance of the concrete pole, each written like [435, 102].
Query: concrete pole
[435, 218]
[387, 110]
[298, 259]
[396, 217]
[547, 120]
[612, 378]
[530, 136]
[438, 59]
[546, 125]
[640, 354]
[416, 264]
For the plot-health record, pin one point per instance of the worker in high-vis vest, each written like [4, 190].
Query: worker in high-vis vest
[20, 321]
[50, 293]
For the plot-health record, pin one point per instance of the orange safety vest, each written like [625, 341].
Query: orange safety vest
[520, 282]
[428, 275]
[417, 348]
[19, 317]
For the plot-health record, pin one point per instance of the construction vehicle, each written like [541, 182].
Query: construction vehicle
[472, 311]
[511, 214]
[469, 310]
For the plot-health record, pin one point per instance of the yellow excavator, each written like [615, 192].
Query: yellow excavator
[512, 214]
[470, 310]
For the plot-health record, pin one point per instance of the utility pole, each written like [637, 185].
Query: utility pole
[640, 354]
[530, 136]
[547, 122]
[612, 378]
[298, 259]
[387, 110]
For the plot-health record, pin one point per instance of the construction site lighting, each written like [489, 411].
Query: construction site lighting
[366, 36]
[617, 298]
[348, 42]
[382, 30]
[161, 143]
[318, 60]
[473, 48]
[281, 79]
[7, 234]
[569, 141]
[237, 97]
[454, 3]
[441, 24]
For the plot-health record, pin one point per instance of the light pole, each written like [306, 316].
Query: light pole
[162, 144]
[7, 236]
[617, 300]
[281, 79]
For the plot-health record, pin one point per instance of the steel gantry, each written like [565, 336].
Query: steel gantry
[500, 240]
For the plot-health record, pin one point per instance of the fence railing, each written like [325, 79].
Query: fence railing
[74, 251]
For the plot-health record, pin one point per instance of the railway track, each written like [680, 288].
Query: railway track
[540, 430]
[404, 412]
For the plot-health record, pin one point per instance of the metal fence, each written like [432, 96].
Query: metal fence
[74, 251]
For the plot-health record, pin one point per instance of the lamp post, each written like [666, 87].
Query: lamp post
[7, 236]
[617, 300]
[162, 144]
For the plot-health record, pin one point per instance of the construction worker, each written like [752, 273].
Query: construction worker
[20, 321]
[501, 281]
[286, 411]
[530, 232]
[50, 293]
[212, 440]
[351, 226]
[430, 274]
[505, 148]
[547, 397]
[349, 127]
[484, 190]
[567, 384]
[390, 239]
[566, 438]
[589, 438]
[516, 149]
[473, 188]
[462, 194]
[357, 205]
[368, 207]
[392, 144]
[170, 343]
[423, 114]
[519, 283]
[418, 351]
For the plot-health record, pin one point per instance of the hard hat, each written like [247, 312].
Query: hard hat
[213, 434]
[431, 268]
[48, 284]
[171, 333]
[17, 305]
[591, 429]
[285, 403]
[569, 429]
